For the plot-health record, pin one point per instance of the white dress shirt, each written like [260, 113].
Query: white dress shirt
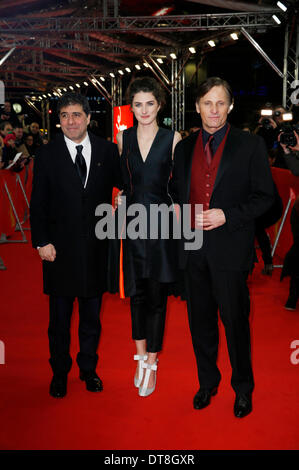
[86, 152]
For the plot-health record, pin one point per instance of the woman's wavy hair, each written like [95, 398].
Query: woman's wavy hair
[147, 85]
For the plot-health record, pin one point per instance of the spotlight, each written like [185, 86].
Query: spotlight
[212, 43]
[137, 67]
[163, 11]
[145, 64]
[49, 94]
[172, 55]
[282, 6]
[128, 69]
[77, 85]
[59, 90]
[64, 89]
[120, 72]
[192, 50]
[45, 96]
[112, 75]
[160, 60]
[85, 83]
[234, 36]
[102, 78]
[71, 87]
[276, 19]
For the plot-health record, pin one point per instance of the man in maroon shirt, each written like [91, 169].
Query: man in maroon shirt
[227, 171]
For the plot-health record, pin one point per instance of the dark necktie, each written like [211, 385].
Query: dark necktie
[208, 150]
[80, 164]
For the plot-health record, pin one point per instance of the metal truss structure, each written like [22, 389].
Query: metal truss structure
[53, 52]
[291, 63]
[159, 24]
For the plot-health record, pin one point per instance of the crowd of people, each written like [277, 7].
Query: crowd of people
[17, 138]
[221, 169]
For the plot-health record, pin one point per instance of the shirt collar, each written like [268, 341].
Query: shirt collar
[72, 144]
[218, 135]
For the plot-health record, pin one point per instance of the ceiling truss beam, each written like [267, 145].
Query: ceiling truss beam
[142, 23]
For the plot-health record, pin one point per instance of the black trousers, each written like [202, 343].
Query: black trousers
[61, 309]
[148, 313]
[207, 290]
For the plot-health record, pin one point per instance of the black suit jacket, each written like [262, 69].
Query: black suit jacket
[62, 212]
[243, 190]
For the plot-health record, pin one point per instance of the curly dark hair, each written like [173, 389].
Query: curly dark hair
[147, 85]
[73, 98]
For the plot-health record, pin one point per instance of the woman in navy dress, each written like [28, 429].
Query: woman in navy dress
[149, 264]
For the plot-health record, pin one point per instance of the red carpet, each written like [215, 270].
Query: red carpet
[118, 418]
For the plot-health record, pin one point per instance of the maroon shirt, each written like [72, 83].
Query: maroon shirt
[203, 176]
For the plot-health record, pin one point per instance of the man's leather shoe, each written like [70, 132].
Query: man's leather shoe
[93, 382]
[243, 405]
[203, 397]
[58, 386]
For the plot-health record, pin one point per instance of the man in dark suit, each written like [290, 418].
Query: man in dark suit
[73, 174]
[227, 171]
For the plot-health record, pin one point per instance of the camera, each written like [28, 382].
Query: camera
[266, 121]
[288, 137]
[287, 130]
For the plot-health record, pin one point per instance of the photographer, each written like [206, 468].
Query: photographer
[291, 153]
[269, 128]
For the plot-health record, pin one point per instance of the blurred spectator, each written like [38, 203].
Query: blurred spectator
[246, 127]
[5, 128]
[37, 138]
[184, 134]
[268, 128]
[94, 128]
[278, 113]
[19, 133]
[291, 261]
[8, 114]
[291, 155]
[9, 150]
[20, 142]
[29, 144]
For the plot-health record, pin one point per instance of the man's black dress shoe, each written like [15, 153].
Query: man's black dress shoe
[93, 382]
[203, 397]
[243, 405]
[58, 386]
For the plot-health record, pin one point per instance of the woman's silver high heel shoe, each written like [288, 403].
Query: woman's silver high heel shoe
[144, 391]
[140, 359]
